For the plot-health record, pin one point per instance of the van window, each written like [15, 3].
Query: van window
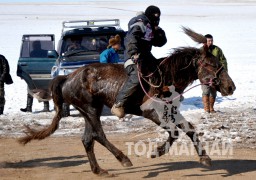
[36, 46]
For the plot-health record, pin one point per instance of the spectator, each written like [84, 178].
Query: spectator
[6, 78]
[37, 50]
[210, 93]
[75, 44]
[110, 55]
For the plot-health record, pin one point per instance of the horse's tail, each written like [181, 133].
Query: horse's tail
[199, 38]
[56, 89]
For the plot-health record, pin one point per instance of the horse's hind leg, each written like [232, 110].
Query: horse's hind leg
[94, 132]
[101, 138]
[88, 143]
[189, 129]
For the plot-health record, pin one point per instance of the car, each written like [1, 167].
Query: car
[35, 62]
[82, 42]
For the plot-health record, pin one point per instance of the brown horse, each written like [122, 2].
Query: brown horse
[91, 87]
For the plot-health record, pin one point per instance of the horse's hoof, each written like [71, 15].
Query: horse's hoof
[103, 173]
[206, 160]
[154, 154]
[127, 163]
[158, 152]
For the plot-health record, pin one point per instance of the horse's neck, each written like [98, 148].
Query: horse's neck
[182, 77]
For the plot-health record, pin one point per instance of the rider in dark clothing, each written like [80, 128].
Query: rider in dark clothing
[143, 33]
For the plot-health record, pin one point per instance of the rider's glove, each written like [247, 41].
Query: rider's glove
[135, 58]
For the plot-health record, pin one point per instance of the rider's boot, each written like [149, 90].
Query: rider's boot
[118, 110]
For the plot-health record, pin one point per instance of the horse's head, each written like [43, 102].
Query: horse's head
[209, 69]
[211, 72]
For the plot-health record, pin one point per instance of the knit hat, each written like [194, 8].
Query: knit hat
[153, 14]
[114, 40]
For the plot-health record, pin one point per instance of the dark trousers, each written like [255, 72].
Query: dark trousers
[147, 64]
[130, 86]
[2, 99]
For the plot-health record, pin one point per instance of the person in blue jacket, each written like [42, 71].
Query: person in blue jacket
[110, 55]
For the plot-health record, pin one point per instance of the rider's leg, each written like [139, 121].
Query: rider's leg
[127, 90]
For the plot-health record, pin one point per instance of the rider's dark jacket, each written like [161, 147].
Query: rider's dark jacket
[141, 36]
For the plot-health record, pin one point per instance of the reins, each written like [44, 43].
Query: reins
[164, 101]
[140, 76]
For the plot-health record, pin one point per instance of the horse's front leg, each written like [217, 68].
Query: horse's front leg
[189, 129]
[173, 134]
[164, 148]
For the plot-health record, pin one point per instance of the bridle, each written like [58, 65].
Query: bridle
[202, 64]
[213, 81]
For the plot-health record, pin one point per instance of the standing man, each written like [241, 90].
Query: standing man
[209, 93]
[143, 33]
[110, 55]
[5, 77]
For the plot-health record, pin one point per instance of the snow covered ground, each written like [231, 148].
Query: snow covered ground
[232, 23]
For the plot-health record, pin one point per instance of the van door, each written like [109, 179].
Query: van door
[34, 65]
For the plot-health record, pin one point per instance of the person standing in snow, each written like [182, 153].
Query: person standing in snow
[209, 93]
[6, 78]
[143, 33]
[37, 52]
[110, 55]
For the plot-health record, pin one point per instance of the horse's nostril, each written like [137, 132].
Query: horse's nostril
[230, 89]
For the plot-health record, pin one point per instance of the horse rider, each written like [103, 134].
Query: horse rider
[6, 78]
[143, 33]
[110, 55]
[210, 93]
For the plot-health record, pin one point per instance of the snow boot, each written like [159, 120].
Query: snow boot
[46, 106]
[1, 110]
[212, 101]
[206, 103]
[66, 110]
[29, 104]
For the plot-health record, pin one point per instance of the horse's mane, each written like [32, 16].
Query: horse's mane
[178, 68]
